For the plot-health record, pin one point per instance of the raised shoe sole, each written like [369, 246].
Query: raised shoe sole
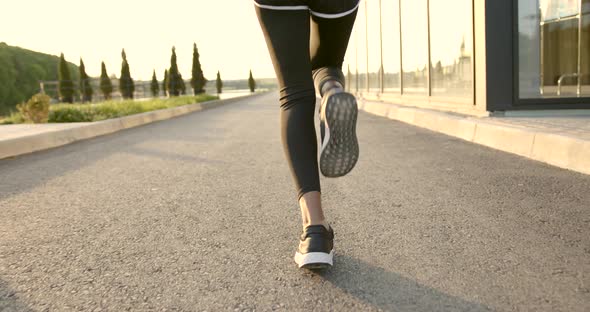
[340, 148]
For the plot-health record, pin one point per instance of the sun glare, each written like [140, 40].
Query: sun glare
[226, 32]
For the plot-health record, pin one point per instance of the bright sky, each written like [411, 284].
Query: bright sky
[227, 34]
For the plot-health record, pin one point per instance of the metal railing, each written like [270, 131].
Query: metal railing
[142, 90]
[571, 75]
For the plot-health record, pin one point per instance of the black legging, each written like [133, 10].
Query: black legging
[304, 53]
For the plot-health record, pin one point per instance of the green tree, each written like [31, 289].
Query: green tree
[66, 85]
[198, 80]
[126, 84]
[155, 86]
[174, 79]
[106, 86]
[182, 84]
[23, 73]
[348, 78]
[165, 83]
[85, 87]
[219, 83]
[251, 82]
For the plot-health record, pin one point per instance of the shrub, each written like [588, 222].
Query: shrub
[36, 109]
[69, 114]
[109, 109]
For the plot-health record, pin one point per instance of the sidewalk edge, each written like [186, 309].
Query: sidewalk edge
[42, 141]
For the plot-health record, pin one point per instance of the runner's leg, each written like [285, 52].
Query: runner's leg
[287, 36]
[331, 26]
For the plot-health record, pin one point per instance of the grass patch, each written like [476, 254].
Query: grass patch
[13, 118]
[109, 109]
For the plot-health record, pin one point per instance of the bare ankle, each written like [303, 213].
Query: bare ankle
[311, 210]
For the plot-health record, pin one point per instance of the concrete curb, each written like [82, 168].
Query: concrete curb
[45, 140]
[558, 150]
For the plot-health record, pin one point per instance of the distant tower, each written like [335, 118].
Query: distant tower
[463, 46]
[464, 63]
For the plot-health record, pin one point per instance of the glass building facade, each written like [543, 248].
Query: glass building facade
[471, 55]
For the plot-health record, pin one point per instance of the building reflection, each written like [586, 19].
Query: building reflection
[390, 51]
[454, 79]
[425, 48]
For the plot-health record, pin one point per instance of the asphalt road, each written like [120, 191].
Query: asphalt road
[199, 213]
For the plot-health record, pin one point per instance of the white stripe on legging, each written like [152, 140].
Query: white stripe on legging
[304, 7]
[286, 8]
[337, 15]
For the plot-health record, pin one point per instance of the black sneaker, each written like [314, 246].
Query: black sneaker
[340, 148]
[315, 248]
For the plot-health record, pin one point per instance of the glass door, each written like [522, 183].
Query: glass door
[554, 51]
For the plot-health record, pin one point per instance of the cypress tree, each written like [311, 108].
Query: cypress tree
[106, 86]
[174, 78]
[182, 84]
[66, 85]
[85, 87]
[165, 83]
[251, 82]
[348, 75]
[126, 85]
[155, 86]
[219, 83]
[198, 80]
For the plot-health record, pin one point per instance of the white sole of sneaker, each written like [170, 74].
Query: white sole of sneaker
[340, 149]
[314, 260]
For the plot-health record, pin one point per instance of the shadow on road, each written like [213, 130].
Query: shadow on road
[390, 291]
[8, 300]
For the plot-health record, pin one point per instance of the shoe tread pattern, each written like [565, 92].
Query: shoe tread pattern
[342, 151]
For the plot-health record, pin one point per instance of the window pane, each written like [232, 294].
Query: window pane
[361, 51]
[549, 46]
[451, 47]
[560, 56]
[528, 46]
[585, 81]
[415, 46]
[349, 68]
[391, 57]
[374, 32]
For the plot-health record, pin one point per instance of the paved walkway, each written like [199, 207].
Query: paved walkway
[573, 126]
[198, 213]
